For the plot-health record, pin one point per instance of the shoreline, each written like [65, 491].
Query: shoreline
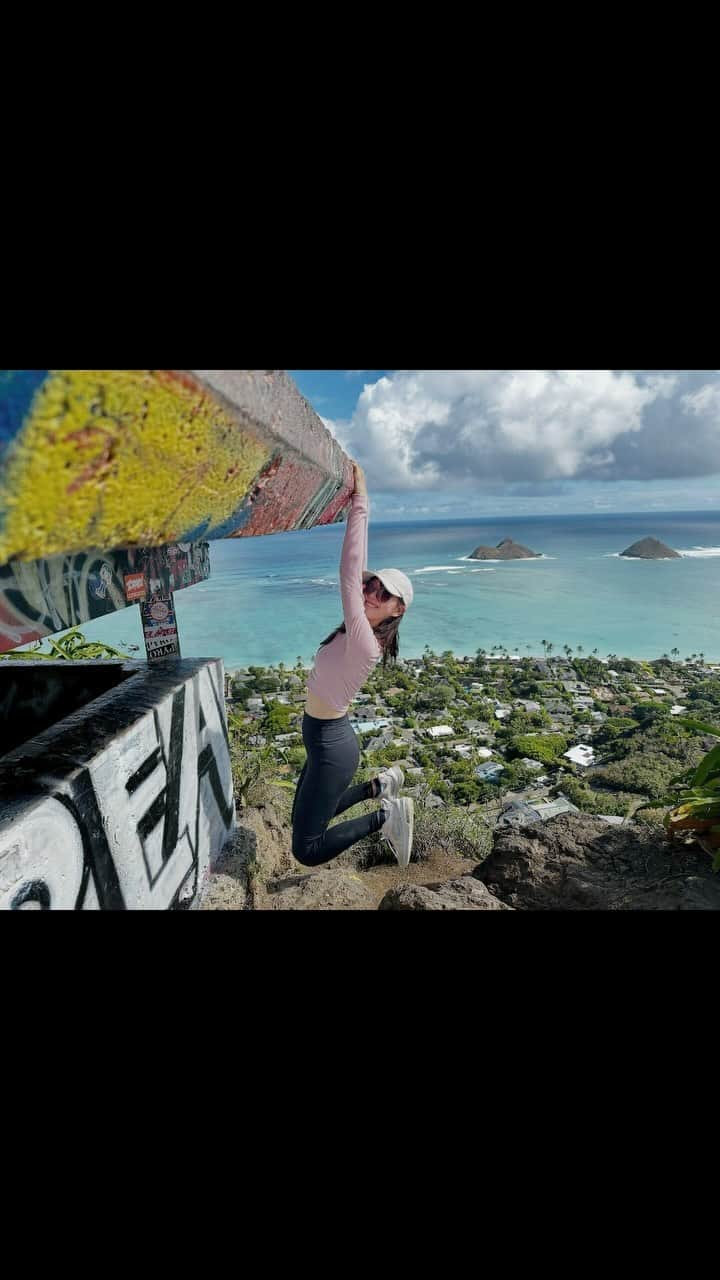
[710, 664]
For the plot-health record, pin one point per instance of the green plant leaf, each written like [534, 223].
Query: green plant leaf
[699, 726]
[707, 765]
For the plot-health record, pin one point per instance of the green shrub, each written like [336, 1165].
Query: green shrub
[70, 647]
[546, 747]
[453, 830]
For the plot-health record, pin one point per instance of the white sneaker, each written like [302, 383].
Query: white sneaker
[391, 780]
[397, 828]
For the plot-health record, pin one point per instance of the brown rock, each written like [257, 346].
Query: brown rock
[576, 862]
[454, 895]
[329, 889]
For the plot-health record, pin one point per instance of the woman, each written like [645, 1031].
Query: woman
[373, 607]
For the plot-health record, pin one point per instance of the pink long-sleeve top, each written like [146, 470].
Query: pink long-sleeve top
[341, 668]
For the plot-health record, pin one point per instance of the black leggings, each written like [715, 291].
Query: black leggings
[324, 790]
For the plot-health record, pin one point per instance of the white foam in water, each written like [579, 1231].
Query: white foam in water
[530, 560]
[433, 568]
[701, 551]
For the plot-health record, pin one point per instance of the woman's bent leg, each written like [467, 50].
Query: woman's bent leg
[333, 756]
[353, 795]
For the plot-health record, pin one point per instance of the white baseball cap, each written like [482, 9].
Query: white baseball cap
[395, 581]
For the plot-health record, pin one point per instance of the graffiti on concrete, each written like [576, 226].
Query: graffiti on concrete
[134, 827]
[39, 597]
[138, 457]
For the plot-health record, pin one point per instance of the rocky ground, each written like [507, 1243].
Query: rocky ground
[571, 863]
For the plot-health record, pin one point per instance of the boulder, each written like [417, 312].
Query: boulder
[328, 889]
[462, 894]
[576, 862]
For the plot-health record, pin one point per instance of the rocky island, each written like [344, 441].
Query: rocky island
[505, 550]
[651, 549]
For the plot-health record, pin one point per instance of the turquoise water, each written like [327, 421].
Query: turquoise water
[271, 599]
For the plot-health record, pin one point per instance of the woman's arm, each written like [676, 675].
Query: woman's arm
[353, 561]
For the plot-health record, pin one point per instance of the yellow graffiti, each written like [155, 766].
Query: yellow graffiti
[121, 458]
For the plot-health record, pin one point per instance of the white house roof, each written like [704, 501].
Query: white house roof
[580, 754]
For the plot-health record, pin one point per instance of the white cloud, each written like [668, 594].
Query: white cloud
[704, 402]
[487, 429]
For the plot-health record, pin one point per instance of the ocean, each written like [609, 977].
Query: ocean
[273, 599]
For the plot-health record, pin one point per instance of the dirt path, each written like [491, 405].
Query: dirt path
[439, 866]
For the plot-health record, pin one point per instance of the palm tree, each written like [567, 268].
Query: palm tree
[675, 653]
[580, 648]
[544, 644]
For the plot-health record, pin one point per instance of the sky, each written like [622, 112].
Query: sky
[473, 442]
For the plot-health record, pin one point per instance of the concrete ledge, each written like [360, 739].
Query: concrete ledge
[123, 803]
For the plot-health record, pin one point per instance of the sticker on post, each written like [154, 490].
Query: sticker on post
[160, 628]
[135, 588]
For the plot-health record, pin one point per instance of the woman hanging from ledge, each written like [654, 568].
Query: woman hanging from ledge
[373, 607]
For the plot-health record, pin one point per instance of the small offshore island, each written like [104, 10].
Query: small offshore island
[505, 550]
[651, 549]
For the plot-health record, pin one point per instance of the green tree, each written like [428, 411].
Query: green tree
[278, 718]
[546, 747]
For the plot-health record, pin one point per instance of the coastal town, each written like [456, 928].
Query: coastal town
[513, 739]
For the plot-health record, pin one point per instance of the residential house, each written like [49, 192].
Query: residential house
[369, 726]
[581, 755]
[478, 729]
[489, 772]
[516, 814]
[366, 713]
[553, 808]
[440, 731]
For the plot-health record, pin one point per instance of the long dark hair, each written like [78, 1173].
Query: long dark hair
[386, 634]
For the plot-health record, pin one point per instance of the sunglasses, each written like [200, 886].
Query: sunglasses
[375, 585]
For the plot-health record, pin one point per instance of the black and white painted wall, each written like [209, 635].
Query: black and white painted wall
[124, 803]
